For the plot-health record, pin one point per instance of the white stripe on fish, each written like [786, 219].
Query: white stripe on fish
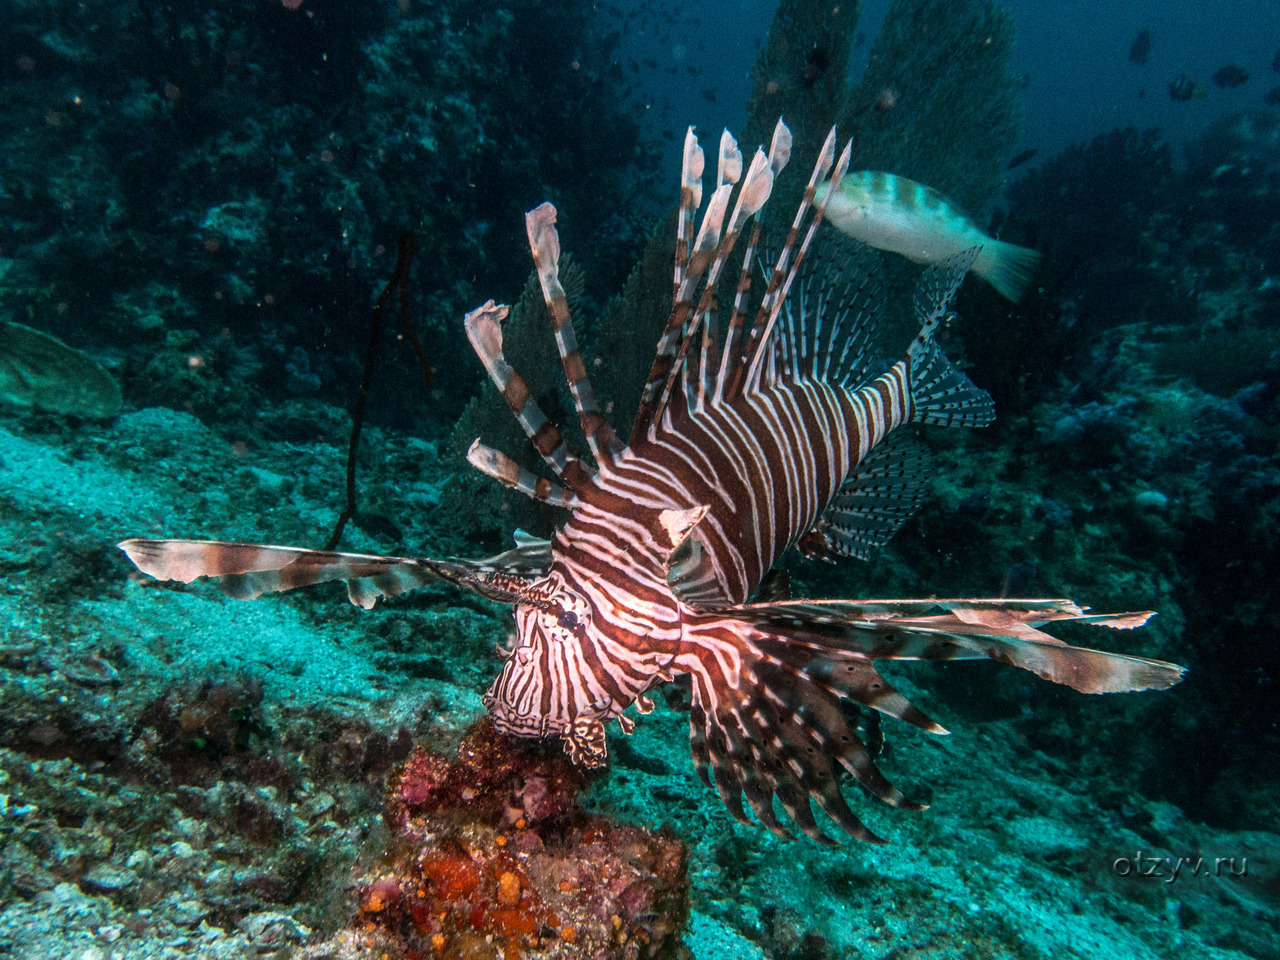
[893, 213]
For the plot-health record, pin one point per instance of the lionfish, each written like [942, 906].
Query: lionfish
[748, 441]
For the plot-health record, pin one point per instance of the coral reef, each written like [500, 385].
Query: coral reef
[206, 196]
[802, 73]
[125, 833]
[493, 858]
[936, 103]
[241, 171]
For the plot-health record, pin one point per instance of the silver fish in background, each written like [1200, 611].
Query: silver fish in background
[749, 441]
[893, 213]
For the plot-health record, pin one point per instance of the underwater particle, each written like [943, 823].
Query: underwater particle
[1151, 501]
[39, 370]
[1140, 49]
[291, 4]
[1182, 89]
[887, 100]
[1272, 99]
[508, 889]
[380, 894]
[27, 63]
[1230, 76]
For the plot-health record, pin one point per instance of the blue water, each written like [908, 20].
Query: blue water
[1075, 57]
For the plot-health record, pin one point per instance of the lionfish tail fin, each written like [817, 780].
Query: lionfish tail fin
[941, 393]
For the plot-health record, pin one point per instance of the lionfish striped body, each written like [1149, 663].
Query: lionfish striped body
[748, 441]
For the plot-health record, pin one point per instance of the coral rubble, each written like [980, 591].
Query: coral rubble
[492, 858]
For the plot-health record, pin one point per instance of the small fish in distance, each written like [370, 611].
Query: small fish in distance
[1020, 158]
[1141, 48]
[1230, 76]
[1183, 89]
[893, 213]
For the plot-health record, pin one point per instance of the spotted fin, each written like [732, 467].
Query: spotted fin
[880, 495]
[940, 393]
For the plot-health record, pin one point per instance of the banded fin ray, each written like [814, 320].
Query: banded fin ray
[496, 464]
[484, 330]
[1004, 630]
[246, 571]
[766, 723]
[544, 242]
[881, 494]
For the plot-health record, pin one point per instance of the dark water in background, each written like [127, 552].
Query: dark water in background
[207, 199]
[1075, 56]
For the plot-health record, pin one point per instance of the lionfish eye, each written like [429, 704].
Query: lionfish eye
[567, 619]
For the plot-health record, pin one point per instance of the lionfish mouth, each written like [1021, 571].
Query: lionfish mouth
[513, 724]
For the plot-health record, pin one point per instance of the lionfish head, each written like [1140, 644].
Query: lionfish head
[544, 684]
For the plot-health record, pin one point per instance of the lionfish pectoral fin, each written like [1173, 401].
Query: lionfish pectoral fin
[246, 571]
[966, 629]
[766, 723]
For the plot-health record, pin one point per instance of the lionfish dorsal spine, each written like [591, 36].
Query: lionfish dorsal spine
[754, 191]
[483, 326]
[784, 273]
[692, 163]
[496, 464]
[731, 354]
[544, 242]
